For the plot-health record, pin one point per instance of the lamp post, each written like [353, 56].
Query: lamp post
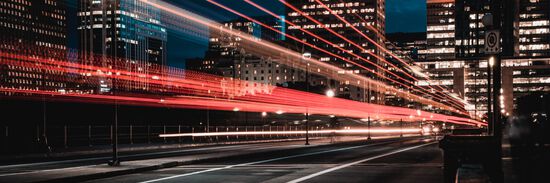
[368, 126]
[493, 24]
[401, 127]
[330, 93]
[306, 56]
[493, 67]
[264, 116]
[115, 160]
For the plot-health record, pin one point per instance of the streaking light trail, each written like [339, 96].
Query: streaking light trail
[291, 58]
[436, 95]
[387, 131]
[203, 91]
[405, 64]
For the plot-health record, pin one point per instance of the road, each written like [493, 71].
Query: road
[410, 160]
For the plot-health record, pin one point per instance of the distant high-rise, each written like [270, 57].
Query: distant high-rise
[455, 56]
[227, 58]
[407, 45]
[33, 24]
[455, 30]
[129, 31]
[440, 32]
[126, 29]
[34, 29]
[534, 28]
[368, 16]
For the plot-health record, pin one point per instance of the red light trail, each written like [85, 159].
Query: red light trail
[202, 91]
[334, 55]
[145, 84]
[291, 58]
[435, 95]
[453, 100]
[370, 40]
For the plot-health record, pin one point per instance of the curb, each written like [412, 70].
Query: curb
[108, 150]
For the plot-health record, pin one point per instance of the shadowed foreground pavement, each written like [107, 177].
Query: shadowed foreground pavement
[414, 160]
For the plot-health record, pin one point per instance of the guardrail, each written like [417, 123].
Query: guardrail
[67, 136]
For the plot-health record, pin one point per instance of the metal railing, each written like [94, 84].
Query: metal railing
[66, 136]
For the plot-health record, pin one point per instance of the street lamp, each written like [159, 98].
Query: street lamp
[306, 56]
[330, 93]
[487, 21]
[491, 61]
[368, 126]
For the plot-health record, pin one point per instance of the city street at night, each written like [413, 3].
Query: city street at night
[378, 160]
[452, 91]
[356, 162]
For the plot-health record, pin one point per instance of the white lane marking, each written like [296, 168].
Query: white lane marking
[85, 166]
[355, 162]
[105, 158]
[263, 161]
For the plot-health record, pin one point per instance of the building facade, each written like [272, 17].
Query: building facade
[534, 28]
[227, 58]
[408, 45]
[123, 29]
[520, 77]
[114, 31]
[455, 30]
[368, 16]
[440, 30]
[32, 29]
[455, 57]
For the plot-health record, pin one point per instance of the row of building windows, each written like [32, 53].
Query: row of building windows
[336, 5]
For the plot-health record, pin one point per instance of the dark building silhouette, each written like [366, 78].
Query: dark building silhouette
[408, 45]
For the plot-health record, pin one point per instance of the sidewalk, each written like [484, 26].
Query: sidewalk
[102, 150]
[102, 170]
[528, 165]
[520, 164]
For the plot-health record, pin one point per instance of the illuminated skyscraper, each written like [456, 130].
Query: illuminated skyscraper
[32, 29]
[455, 56]
[534, 28]
[126, 29]
[227, 58]
[440, 32]
[455, 30]
[368, 16]
[34, 23]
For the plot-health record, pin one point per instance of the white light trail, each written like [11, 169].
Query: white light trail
[347, 131]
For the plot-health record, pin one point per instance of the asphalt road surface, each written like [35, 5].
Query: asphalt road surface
[409, 160]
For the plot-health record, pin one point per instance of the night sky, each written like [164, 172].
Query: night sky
[401, 16]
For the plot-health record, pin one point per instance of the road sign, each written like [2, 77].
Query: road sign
[492, 42]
